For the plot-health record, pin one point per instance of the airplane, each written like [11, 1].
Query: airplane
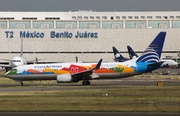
[16, 60]
[75, 72]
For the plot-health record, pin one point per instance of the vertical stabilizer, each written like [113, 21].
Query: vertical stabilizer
[131, 52]
[117, 55]
[154, 50]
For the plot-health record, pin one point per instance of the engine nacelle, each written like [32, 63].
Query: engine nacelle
[65, 78]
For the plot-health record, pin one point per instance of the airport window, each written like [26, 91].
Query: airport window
[19, 24]
[29, 18]
[158, 17]
[73, 18]
[66, 24]
[123, 17]
[89, 25]
[115, 26]
[175, 24]
[85, 18]
[112, 24]
[142, 17]
[162, 25]
[43, 24]
[3, 25]
[52, 18]
[158, 24]
[177, 17]
[149, 17]
[138, 25]
[134, 24]
[129, 17]
[79, 18]
[165, 17]
[112, 18]
[171, 17]
[98, 18]
[117, 18]
[104, 18]
[92, 18]
[136, 17]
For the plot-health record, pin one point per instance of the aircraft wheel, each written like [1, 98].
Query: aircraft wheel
[86, 82]
[21, 83]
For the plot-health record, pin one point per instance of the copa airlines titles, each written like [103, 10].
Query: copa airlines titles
[52, 34]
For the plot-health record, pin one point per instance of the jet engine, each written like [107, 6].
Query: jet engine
[66, 78]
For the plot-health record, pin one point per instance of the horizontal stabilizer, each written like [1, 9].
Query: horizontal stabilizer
[156, 64]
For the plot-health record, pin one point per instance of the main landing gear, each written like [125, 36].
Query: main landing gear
[86, 82]
[21, 83]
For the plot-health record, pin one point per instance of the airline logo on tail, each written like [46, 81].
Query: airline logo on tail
[154, 50]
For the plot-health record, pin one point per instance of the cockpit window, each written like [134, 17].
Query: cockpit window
[16, 60]
[14, 70]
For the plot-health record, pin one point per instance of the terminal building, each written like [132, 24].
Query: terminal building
[89, 35]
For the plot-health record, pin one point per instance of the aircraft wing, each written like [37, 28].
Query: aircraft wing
[88, 73]
[156, 64]
[6, 59]
[4, 65]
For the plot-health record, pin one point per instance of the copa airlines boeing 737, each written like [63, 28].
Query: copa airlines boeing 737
[74, 72]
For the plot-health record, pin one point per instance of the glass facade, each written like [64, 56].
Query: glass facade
[175, 24]
[19, 24]
[89, 25]
[111, 25]
[43, 24]
[3, 24]
[66, 25]
[159, 24]
[135, 24]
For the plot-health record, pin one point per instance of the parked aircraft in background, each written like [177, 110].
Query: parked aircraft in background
[17, 60]
[133, 54]
[118, 57]
[74, 72]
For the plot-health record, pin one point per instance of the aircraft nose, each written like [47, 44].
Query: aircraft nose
[7, 73]
[11, 72]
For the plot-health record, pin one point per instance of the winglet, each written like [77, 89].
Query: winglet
[98, 65]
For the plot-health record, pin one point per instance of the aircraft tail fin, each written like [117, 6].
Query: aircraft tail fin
[154, 50]
[131, 52]
[117, 55]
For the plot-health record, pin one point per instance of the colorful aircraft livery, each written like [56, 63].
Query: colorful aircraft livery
[74, 72]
